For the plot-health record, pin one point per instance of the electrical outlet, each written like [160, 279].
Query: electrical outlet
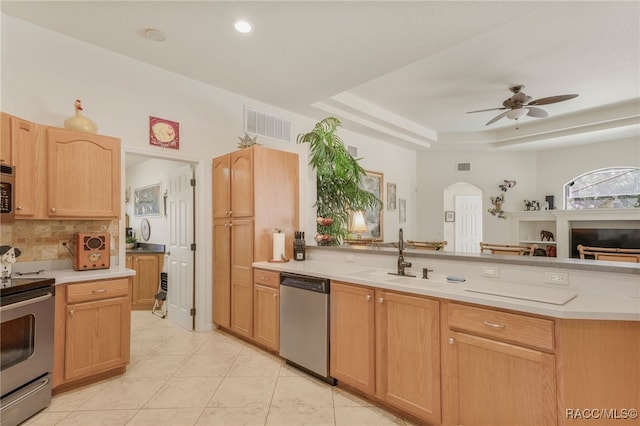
[490, 271]
[62, 247]
[559, 278]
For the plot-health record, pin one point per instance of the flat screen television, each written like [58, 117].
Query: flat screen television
[621, 238]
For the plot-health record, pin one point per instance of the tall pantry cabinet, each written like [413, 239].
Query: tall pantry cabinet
[255, 191]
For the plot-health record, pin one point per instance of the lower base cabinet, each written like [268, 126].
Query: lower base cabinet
[387, 345]
[92, 330]
[266, 316]
[146, 281]
[500, 368]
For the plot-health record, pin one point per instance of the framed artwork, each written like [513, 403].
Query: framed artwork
[373, 182]
[402, 212]
[164, 133]
[449, 216]
[146, 201]
[391, 196]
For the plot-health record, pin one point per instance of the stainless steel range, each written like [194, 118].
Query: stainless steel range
[26, 362]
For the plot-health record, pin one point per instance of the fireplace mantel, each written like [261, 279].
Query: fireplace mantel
[524, 223]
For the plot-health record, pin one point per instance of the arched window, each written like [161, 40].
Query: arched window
[613, 187]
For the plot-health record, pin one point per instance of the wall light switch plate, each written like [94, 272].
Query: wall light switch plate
[490, 271]
[559, 278]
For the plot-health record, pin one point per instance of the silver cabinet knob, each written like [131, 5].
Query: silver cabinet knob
[381, 300]
[368, 297]
[53, 209]
[71, 312]
[275, 294]
[451, 341]
[19, 208]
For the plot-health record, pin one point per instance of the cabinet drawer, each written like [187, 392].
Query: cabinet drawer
[268, 278]
[97, 290]
[515, 328]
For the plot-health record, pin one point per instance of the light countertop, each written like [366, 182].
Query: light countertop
[584, 305]
[66, 276]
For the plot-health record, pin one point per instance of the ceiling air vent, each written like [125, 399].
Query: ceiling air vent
[463, 167]
[262, 124]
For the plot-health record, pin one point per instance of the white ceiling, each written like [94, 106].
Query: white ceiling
[403, 72]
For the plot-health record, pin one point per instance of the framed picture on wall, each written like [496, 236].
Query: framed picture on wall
[391, 196]
[146, 201]
[373, 182]
[402, 212]
[449, 216]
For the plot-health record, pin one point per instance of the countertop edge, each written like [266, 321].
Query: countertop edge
[454, 292]
[66, 276]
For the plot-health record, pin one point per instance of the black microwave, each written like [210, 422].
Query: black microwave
[7, 193]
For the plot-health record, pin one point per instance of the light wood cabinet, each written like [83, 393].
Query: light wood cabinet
[23, 148]
[387, 345]
[499, 369]
[145, 282]
[266, 309]
[408, 353]
[83, 176]
[5, 138]
[255, 190]
[92, 329]
[352, 331]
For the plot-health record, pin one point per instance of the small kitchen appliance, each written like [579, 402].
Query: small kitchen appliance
[92, 251]
[7, 193]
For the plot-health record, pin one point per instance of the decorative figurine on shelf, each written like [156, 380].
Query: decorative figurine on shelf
[79, 121]
[246, 141]
[508, 184]
[546, 236]
[8, 257]
[531, 205]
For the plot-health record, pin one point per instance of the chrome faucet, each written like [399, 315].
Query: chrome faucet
[401, 262]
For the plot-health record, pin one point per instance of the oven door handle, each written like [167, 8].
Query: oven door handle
[25, 302]
[26, 392]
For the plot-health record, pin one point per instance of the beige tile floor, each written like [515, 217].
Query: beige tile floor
[185, 378]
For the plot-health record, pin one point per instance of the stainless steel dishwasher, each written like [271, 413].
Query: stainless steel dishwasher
[304, 323]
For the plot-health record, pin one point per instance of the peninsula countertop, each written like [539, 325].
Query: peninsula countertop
[584, 305]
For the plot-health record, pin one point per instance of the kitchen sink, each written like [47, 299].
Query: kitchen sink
[416, 281]
[374, 274]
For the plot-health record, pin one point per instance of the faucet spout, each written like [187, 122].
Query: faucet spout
[401, 262]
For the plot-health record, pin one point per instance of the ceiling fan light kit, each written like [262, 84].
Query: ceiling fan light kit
[520, 104]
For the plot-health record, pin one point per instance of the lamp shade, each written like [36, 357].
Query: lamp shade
[358, 224]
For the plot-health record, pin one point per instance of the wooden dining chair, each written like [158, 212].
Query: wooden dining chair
[610, 253]
[426, 245]
[508, 249]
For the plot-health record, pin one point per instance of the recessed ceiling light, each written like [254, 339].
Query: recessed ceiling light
[155, 35]
[242, 26]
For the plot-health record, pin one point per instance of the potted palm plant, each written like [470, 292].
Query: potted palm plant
[338, 176]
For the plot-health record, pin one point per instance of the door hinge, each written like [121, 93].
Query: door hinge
[193, 312]
[193, 182]
[193, 246]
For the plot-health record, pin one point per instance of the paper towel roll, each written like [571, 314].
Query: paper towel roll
[278, 245]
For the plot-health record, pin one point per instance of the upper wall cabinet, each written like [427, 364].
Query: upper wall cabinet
[83, 174]
[62, 174]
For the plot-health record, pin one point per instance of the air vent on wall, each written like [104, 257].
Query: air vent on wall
[463, 167]
[262, 124]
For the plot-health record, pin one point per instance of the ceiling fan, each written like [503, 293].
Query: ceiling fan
[520, 104]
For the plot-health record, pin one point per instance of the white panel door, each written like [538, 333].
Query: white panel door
[181, 256]
[468, 229]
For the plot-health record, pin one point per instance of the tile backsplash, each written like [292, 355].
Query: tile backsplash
[39, 239]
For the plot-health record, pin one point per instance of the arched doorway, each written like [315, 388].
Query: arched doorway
[464, 233]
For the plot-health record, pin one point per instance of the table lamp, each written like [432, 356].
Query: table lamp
[358, 225]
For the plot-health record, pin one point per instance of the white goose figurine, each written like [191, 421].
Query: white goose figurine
[79, 121]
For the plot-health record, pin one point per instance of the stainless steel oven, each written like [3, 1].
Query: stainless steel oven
[26, 361]
[7, 193]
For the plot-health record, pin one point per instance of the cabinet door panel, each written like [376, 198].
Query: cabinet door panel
[242, 276]
[408, 353]
[221, 273]
[28, 157]
[83, 175]
[502, 384]
[266, 316]
[97, 337]
[352, 336]
[242, 183]
[221, 186]
[145, 287]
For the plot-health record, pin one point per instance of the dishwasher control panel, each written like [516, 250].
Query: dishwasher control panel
[320, 285]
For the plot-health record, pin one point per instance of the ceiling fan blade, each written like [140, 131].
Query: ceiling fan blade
[498, 117]
[536, 112]
[489, 109]
[552, 100]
